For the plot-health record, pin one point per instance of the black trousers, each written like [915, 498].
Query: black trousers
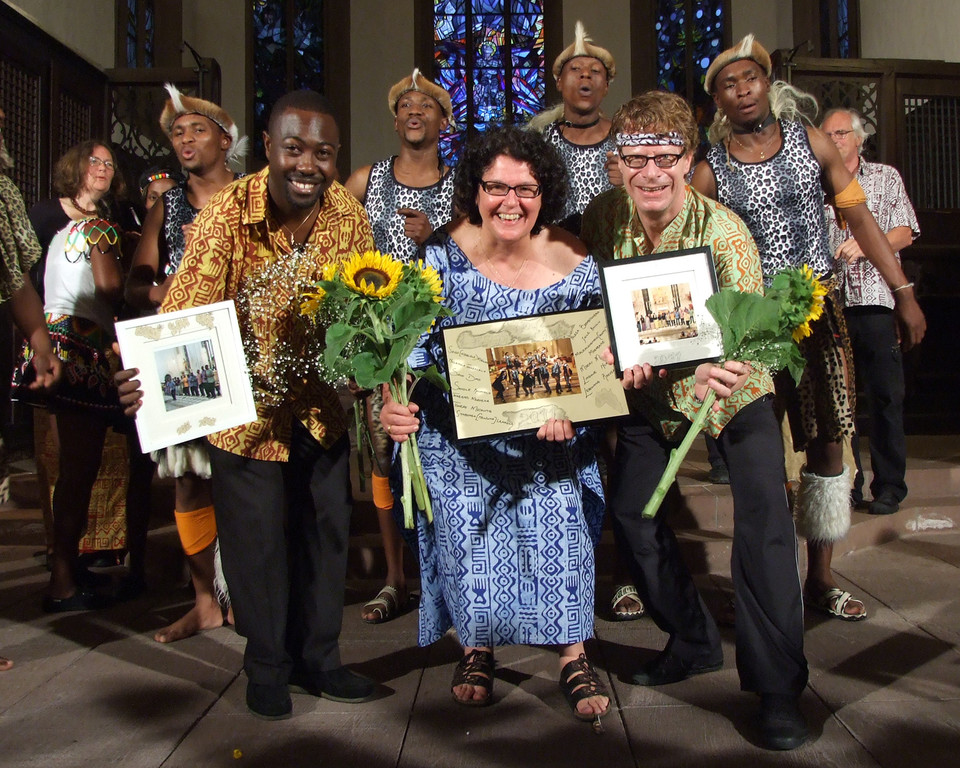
[284, 532]
[766, 580]
[878, 364]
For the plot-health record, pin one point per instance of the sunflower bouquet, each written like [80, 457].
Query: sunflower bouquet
[375, 309]
[764, 330]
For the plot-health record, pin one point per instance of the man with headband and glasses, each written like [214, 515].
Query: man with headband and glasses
[656, 212]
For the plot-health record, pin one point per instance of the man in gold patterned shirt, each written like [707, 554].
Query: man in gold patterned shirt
[656, 212]
[281, 483]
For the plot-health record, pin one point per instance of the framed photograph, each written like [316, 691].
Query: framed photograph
[656, 309]
[510, 376]
[192, 372]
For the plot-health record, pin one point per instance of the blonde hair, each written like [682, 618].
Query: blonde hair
[660, 112]
[786, 103]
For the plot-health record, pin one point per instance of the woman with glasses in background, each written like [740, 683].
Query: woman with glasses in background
[509, 556]
[81, 283]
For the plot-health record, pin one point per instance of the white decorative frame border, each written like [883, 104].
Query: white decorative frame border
[143, 338]
[474, 411]
[620, 279]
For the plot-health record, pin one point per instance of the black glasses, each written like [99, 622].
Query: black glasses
[661, 161]
[95, 161]
[499, 189]
[838, 134]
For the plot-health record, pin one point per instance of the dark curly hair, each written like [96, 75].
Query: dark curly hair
[526, 146]
[71, 170]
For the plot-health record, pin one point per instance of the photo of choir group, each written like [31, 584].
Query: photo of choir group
[664, 313]
[188, 374]
[534, 370]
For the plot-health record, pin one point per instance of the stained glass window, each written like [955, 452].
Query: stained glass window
[689, 37]
[489, 55]
[843, 29]
[139, 33]
[287, 54]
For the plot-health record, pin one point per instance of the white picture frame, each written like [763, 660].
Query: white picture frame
[162, 348]
[656, 309]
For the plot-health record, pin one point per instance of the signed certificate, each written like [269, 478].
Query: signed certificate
[656, 307]
[193, 373]
[511, 376]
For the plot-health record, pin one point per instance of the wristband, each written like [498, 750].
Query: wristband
[905, 285]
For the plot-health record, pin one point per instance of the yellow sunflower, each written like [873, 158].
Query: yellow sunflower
[431, 279]
[311, 302]
[372, 274]
[329, 271]
[817, 294]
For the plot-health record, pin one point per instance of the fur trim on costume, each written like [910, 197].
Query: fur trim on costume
[541, 120]
[417, 82]
[179, 104]
[748, 48]
[219, 580]
[582, 45]
[823, 506]
[178, 460]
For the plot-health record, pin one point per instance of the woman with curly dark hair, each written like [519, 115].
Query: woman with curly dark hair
[82, 285]
[509, 555]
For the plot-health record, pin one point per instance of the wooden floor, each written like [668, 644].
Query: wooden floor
[96, 690]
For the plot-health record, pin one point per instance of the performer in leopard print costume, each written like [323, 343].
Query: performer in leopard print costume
[774, 173]
[578, 128]
[406, 196]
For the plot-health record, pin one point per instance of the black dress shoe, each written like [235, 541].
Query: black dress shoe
[340, 684]
[885, 504]
[782, 725]
[90, 581]
[80, 600]
[269, 702]
[670, 668]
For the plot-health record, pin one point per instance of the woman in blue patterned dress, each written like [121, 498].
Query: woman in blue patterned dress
[509, 557]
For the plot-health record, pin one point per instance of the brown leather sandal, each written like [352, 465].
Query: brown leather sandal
[579, 681]
[475, 668]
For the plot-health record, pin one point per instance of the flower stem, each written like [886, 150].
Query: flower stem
[410, 465]
[405, 498]
[678, 454]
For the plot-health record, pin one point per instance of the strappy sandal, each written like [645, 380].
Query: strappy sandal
[476, 669]
[387, 605]
[833, 601]
[626, 592]
[579, 681]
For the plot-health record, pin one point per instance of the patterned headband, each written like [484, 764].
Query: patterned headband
[671, 139]
[157, 176]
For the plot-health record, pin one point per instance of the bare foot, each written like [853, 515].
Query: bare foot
[5, 664]
[203, 615]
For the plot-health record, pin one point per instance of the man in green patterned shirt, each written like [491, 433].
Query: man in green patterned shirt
[656, 212]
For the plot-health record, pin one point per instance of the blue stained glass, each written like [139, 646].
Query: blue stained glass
[489, 55]
[277, 26]
[487, 6]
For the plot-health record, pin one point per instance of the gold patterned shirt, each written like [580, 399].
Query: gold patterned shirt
[612, 230]
[236, 250]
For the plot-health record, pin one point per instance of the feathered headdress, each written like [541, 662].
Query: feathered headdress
[748, 48]
[583, 46]
[178, 104]
[417, 82]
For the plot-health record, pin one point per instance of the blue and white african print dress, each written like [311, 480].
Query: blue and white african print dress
[509, 558]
